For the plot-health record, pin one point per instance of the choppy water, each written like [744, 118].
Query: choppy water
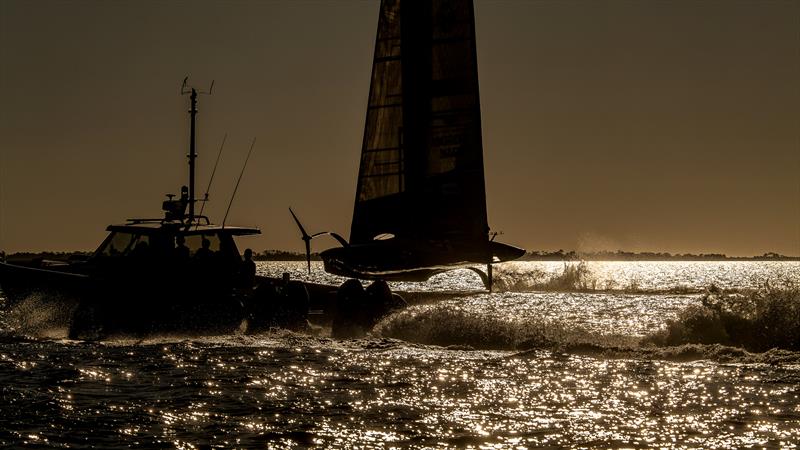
[553, 361]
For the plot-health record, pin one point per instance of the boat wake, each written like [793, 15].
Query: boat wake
[761, 326]
[583, 276]
[451, 326]
[744, 326]
[573, 277]
[40, 316]
[757, 320]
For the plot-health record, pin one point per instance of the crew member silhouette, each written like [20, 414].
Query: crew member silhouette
[204, 253]
[181, 250]
[247, 272]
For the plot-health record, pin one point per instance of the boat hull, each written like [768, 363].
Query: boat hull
[132, 303]
[411, 260]
[18, 282]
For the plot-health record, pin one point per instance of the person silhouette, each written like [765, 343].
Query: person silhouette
[204, 253]
[181, 250]
[140, 252]
[247, 272]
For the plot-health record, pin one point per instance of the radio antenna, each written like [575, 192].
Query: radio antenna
[213, 171]
[237, 182]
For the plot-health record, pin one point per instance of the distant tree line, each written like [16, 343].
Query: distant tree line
[558, 255]
[56, 256]
[619, 255]
[282, 255]
[266, 255]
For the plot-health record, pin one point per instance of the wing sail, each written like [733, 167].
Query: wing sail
[421, 171]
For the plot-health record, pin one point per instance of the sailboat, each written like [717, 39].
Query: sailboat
[420, 205]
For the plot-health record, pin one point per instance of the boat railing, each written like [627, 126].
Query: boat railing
[198, 220]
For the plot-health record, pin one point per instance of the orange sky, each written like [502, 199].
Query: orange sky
[644, 126]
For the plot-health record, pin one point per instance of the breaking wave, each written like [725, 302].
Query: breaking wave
[759, 326]
[756, 320]
[449, 326]
[573, 277]
[576, 277]
[583, 276]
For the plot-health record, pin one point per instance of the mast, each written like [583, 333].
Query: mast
[192, 152]
[192, 141]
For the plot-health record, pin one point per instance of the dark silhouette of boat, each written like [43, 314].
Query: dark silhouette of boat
[420, 206]
[420, 209]
[177, 272]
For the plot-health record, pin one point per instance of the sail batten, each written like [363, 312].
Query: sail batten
[421, 169]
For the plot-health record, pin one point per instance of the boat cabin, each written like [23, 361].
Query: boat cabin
[124, 240]
[158, 239]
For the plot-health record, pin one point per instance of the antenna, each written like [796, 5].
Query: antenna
[185, 85]
[213, 171]
[237, 182]
[186, 89]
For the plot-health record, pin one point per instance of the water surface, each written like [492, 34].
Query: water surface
[540, 365]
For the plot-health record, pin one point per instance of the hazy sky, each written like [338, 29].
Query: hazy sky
[640, 125]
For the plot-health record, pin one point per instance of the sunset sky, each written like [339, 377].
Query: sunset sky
[637, 125]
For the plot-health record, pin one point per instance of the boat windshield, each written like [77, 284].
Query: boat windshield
[120, 244]
[148, 245]
[195, 242]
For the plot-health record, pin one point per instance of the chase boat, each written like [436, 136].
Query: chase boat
[181, 273]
